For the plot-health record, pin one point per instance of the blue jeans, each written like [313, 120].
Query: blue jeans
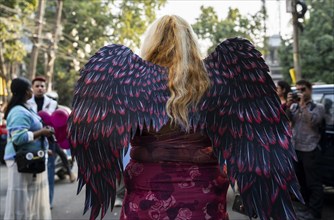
[51, 176]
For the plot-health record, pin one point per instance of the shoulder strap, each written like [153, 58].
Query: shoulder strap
[313, 105]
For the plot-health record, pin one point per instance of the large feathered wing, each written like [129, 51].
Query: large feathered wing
[119, 92]
[116, 94]
[249, 129]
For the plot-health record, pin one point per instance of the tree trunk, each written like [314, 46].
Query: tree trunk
[53, 49]
[3, 72]
[36, 40]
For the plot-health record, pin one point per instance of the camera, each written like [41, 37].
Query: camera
[295, 96]
[52, 138]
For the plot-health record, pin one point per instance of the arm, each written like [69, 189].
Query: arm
[46, 131]
[292, 111]
[19, 129]
[313, 114]
[291, 108]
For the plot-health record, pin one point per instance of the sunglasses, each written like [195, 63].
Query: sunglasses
[303, 89]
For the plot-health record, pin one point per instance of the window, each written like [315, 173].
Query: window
[328, 102]
[317, 97]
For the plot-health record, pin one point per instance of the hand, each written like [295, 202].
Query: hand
[48, 131]
[301, 99]
[50, 152]
[289, 99]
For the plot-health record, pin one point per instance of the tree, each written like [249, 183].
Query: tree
[209, 26]
[36, 39]
[133, 20]
[316, 44]
[86, 27]
[286, 60]
[14, 20]
[13, 27]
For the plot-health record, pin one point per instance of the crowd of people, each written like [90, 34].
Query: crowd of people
[174, 169]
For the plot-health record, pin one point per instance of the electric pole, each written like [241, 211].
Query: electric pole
[3, 71]
[53, 48]
[279, 19]
[291, 6]
[36, 39]
[265, 38]
[296, 57]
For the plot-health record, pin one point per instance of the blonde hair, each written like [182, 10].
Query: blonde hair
[172, 43]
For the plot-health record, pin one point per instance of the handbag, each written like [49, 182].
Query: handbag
[30, 161]
[239, 207]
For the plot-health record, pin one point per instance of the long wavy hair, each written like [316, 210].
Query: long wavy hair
[171, 42]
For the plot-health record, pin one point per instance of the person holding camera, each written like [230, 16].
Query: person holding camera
[306, 117]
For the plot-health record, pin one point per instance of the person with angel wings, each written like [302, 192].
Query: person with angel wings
[185, 118]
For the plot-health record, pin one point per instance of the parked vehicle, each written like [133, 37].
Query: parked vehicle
[324, 94]
[60, 168]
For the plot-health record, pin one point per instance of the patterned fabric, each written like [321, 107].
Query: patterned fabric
[305, 125]
[174, 191]
[177, 177]
[172, 145]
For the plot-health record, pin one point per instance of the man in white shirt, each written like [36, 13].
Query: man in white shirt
[40, 102]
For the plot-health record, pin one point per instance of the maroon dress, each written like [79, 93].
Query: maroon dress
[174, 175]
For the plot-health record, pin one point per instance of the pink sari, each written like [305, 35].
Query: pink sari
[173, 175]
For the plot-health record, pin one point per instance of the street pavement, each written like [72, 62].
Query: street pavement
[68, 205]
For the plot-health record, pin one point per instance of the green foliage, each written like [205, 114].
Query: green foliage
[86, 26]
[285, 57]
[89, 26]
[316, 44]
[135, 16]
[209, 26]
[15, 51]
[65, 85]
[13, 20]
